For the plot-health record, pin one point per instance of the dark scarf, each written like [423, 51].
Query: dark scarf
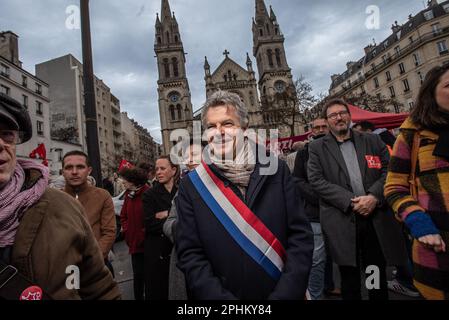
[442, 146]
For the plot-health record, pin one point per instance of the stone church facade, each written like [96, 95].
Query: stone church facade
[264, 96]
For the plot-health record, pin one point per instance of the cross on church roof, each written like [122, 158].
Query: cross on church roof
[226, 53]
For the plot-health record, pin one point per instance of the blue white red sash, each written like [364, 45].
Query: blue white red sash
[241, 223]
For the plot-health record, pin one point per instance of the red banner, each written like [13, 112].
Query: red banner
[125, 164]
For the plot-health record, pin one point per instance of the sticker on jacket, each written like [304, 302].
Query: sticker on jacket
[373, 162]
[31, 293]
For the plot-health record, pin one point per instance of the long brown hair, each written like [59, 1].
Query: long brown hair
[426, 112]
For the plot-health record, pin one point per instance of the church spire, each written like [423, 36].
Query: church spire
[261, 9]
[166, 12]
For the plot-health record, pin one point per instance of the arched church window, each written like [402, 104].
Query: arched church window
[172, 112]
[268, 29]
[179, 108]
[225, 77]
[229, 75]
[235, 77]
[176, 39]
[167, 34]
[159, 40]
[186, 113]
[264, 90]
[175, 67]
[270, 57]
[278, 57]
[166, 67]
[276, 31]
[261, 32]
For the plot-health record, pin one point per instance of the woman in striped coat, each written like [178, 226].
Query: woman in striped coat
[427, 213]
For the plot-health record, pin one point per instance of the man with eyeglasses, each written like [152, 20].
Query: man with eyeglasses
[347, 170]
[43, 232]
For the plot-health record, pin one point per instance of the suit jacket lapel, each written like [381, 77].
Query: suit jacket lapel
[331, 144]
[255, 184]
[360, 148]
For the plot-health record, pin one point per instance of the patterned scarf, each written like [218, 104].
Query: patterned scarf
[239, 170]
[14, 201]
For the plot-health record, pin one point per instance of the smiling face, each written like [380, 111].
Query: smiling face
[442, 92]
[222, 124]
[7, 158]
[76, 170]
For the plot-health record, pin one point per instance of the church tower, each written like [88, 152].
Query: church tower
[175, 106]
[275, 78]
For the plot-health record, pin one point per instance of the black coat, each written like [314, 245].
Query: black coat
[157, 246]
[311, 199]
[329, 177]
[215, 265]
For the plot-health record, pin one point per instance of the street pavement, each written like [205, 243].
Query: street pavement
[124, 275]
[123, 270]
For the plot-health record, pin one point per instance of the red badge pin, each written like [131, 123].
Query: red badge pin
[31, 293]
[373, 162]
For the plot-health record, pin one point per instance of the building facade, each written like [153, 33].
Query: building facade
[31, 91]
[395, 68]
[65, 76]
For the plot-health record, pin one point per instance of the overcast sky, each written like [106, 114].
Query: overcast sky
[320, 37]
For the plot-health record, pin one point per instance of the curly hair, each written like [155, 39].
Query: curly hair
[136, 176]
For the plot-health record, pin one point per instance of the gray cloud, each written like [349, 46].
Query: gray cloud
[321, 36]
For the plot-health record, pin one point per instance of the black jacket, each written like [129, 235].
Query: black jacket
[311, 199]
[214, 264]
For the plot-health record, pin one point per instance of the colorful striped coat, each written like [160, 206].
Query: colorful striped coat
[431, 270]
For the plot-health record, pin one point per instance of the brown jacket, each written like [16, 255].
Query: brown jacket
[53, 235]
[99, 210]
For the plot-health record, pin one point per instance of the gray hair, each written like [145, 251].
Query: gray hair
[226, 98]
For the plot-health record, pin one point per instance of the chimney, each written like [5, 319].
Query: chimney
[9, 47]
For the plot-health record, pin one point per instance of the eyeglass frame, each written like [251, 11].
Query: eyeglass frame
[334, 116]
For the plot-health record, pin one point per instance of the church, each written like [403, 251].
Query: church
[264, 96]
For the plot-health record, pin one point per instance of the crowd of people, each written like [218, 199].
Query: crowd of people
[231, 227]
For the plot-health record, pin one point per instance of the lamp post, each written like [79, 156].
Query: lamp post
[89, 94]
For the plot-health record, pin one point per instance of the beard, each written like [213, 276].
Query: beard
[339, 131]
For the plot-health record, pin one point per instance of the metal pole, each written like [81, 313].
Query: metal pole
[89, 94]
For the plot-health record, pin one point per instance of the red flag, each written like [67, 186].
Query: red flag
[40, 153]
[125, 164]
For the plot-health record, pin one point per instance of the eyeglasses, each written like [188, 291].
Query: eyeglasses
[334, 116]
[10, 137]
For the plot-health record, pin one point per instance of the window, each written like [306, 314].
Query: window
[261, 32]
[373, 67]
[24, 81]
[172, 112]
[428, 15]
[270, 57]
[376, 82]
[421, 77]
[436, 29]
[176, 39]
[4, 70]
[104, 120]
[166, 68]
[40, 128]
[25, 101]
[159, 40]
[384, 58]
[98, 93]
[179, 108]
[416, 59]
[388, 75]
[4, 89]
[406, 85]
[175, 67]
[278, 57]
[38, 88]
[442, 47]
[39, 109]
[401, 68]
[392, 93]
[397, 50]
[411, 39]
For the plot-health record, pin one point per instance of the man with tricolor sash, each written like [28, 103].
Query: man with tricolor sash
[242, 232]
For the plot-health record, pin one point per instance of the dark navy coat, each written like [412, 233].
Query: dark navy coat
[217, 268]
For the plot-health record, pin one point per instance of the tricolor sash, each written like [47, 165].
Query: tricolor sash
[240, 222]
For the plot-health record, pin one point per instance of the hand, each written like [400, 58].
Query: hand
[364, 205]
[162, 215]
[433, 241]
